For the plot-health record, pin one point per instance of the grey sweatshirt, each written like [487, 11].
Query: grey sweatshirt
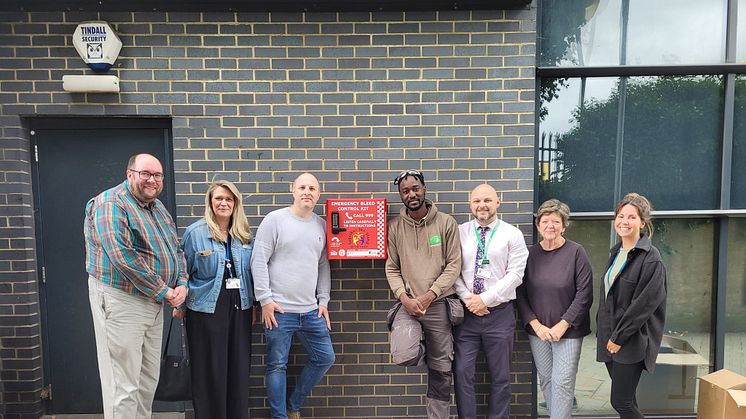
[289, 264]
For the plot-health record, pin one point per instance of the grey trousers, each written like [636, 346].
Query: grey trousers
[557, 365]
[434, 329]
[129, 332]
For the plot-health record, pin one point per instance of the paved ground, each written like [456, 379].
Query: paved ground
[593, 385]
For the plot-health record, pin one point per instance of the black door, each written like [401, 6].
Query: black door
[76, 158]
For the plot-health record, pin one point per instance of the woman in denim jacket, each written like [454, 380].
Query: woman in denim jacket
[219, 306]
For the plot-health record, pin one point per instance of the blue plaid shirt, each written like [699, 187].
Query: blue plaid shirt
[132, 246]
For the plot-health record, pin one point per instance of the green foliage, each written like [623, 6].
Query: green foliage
[671, 146]
[560, 32]
[738, 194]
[560, 29]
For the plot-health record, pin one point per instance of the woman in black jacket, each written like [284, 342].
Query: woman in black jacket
[632, 306]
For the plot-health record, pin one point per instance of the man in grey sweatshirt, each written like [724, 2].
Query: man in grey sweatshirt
[292, 281]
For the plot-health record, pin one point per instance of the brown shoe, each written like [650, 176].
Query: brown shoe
[293, 415]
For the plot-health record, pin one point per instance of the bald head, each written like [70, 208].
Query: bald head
[141, 159]
[484, 203]
[484, 189]
[306, 193]
[305, 177]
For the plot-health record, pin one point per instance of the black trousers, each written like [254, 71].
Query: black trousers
[494, 332]
[220, 352]
[624, 380]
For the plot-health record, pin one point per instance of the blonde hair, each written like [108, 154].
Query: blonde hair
[643, 209]
[239, 227]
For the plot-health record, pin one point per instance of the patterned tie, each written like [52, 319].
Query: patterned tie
[479, 282]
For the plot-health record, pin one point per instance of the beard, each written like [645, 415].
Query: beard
[485, 215]
[146, 195]
[415, 204]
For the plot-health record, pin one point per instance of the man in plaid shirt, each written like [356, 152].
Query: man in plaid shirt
[134, 265]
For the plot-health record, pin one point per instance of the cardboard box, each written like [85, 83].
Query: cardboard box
[671, 388]
[722, 395]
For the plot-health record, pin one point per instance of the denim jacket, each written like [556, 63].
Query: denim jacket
[205, 259]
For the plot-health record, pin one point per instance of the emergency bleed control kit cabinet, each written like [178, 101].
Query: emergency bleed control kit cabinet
[356, 228]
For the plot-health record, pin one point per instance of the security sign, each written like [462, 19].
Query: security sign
[356, 228]
[97, 44]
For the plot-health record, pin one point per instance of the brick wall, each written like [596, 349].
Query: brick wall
[20, 330]
[257, 98]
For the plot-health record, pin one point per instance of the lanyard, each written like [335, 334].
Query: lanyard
[228, 264]
[621, 268]
[484, 248]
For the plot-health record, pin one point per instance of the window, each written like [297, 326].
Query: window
[635, 95]
[738, 183]
[573, 34]
[659, 32]
[687, 247]
[741, 42]
[671, 142]
[735, 305]
[669, 135]
[577, 145]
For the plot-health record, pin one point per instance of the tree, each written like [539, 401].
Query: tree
[562, 21]
[671, 146]
[738, 194]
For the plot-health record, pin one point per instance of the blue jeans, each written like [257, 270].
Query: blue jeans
[315, 337]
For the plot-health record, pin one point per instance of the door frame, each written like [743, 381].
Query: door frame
[74, 122]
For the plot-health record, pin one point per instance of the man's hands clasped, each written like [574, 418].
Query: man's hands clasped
[176, 296]
[417, 306]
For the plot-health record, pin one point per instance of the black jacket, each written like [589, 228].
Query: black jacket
[634, 312]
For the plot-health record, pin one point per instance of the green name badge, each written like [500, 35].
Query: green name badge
[435, 240]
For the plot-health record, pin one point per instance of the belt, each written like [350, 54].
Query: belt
[495, 308]
[499, 306]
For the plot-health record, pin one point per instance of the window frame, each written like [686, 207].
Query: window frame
[729, 70]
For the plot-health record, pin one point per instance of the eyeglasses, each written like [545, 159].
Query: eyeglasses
[145, 175]
[406, 173]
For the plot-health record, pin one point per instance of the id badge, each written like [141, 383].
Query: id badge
[483, 273]
[232, 283]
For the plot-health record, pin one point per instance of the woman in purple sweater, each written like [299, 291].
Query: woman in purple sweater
[554, 303]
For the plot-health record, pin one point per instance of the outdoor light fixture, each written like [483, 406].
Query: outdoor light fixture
[90, 83]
